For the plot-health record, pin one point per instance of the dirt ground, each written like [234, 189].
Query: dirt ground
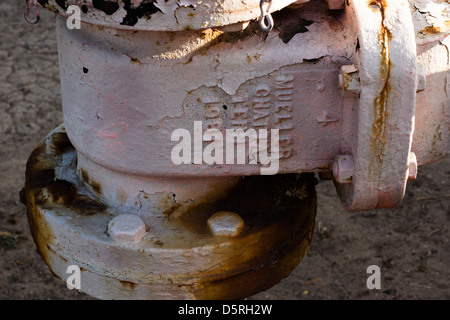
[409, 243]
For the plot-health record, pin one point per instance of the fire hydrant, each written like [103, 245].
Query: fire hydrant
[353, 90]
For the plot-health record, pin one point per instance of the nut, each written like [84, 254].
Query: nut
[343, 169]
[126, 228]
[225, 224]
[349, 82]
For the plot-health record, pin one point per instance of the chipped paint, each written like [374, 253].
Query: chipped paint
[431, 19]
[163, 15]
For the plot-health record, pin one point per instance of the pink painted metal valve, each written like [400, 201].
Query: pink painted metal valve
[356, 90]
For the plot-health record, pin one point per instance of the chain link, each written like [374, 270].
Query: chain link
[31, 7]
[265, 16]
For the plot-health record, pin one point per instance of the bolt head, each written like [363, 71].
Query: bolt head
[349, 81]
[126, 228]
[343, 169]
[225, 224]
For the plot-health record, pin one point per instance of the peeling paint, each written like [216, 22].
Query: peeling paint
[62, 4]
[163, 15]
[108, 7]
[144, 10]
[431, 18]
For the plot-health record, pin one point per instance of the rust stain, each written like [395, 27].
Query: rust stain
[96, 187]
[122, 196]
[431, 30]
[60, 143]
[168, 205]
[436, 145]
[64, 193]
[436, 29]
[335, 24]
[44, 191]
[37, 175]
[134, 60]
[376, 4]
[84, 175]
[380, 102]
[94, 184]
[255, 58]
[348, 78]
[128, 285]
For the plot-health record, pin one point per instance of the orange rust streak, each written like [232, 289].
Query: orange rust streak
[437, 29]
[380, 102]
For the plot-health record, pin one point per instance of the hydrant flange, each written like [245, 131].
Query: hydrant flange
[177, 257]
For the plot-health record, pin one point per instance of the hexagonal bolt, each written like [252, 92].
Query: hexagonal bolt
[225, 224]
[412, 167]
[421, 78]
[336, 4]
[126, 228]
[349, 82]
[343, 169]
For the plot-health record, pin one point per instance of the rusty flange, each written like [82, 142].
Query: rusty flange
[383, 117]
[259, 233]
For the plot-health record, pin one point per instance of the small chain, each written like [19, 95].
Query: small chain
[265, 16]
[31, 6]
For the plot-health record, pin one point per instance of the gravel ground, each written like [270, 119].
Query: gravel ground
[409, 243]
